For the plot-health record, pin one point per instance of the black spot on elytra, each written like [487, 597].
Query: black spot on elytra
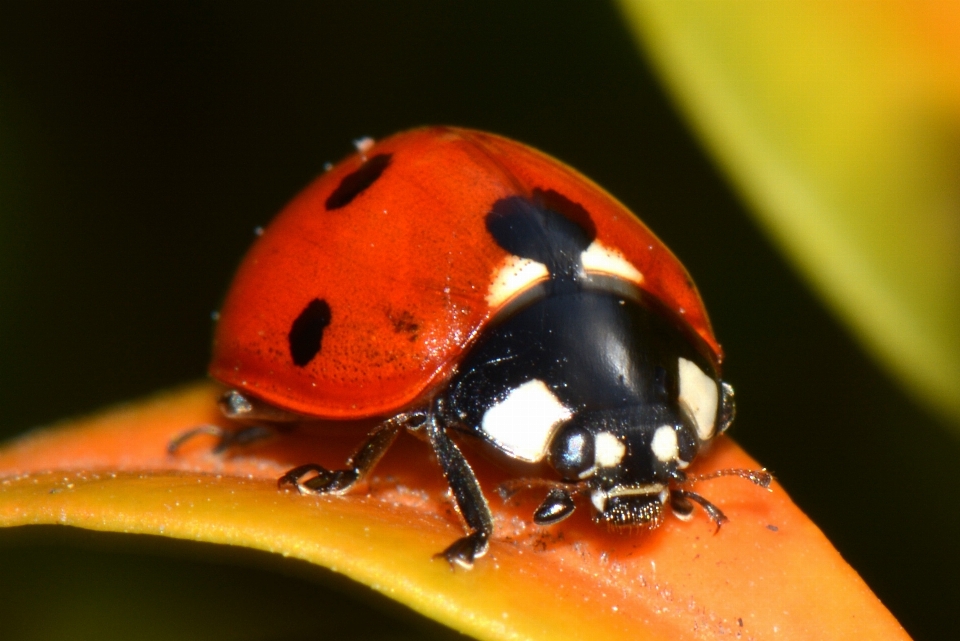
[547, 227]
[354, 184]
[306, 332]
[555, 201]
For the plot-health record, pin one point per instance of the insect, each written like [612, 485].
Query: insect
[455, 282]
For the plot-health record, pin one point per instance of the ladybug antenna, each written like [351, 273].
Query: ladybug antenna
[760, 477]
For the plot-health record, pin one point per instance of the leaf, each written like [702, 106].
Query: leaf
[769, 573]
[840, 124]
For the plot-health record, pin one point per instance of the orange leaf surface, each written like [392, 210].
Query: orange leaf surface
[769, 573]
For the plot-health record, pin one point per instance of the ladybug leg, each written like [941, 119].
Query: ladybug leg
[680, 502]
[238, 407]
[320, 480]
[469, 498]
[226, 439]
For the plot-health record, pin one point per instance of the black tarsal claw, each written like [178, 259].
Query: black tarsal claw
[333, 482]
[290, 479]
[465, 551]
[720, 520]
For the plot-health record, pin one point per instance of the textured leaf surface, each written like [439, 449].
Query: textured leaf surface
[768, 574]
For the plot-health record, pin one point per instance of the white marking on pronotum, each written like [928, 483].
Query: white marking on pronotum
[699, 393]
[599, 259]
[523, 423]
[513, 277]
[599, 499]
[664, 444]
[608, 450]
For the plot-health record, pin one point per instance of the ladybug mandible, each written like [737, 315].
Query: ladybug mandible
[449, 280]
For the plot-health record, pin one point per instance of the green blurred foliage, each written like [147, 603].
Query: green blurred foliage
[141, 143]
[840, 124]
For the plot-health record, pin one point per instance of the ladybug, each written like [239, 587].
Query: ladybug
[449, 281]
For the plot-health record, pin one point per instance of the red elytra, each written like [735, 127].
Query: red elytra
[393, 241]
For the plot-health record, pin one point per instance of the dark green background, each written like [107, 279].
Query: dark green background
[140, 144]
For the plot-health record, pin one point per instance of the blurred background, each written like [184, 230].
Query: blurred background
[142, 143]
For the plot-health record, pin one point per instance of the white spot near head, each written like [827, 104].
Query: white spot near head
[599, 499]
[608, 450]
[598, 259]
[514, 276]
[700, 395]
[664, 444]
[523, 423]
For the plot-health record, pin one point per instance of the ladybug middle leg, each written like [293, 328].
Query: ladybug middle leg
[469, 498]
[320, 480]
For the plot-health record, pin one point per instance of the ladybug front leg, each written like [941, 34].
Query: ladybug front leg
[469, 498]
[320, 480]
[680, 502]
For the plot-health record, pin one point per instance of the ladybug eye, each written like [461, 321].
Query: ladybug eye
[572, 451]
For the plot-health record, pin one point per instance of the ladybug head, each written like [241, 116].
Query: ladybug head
[630, 463]
[626, 459]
